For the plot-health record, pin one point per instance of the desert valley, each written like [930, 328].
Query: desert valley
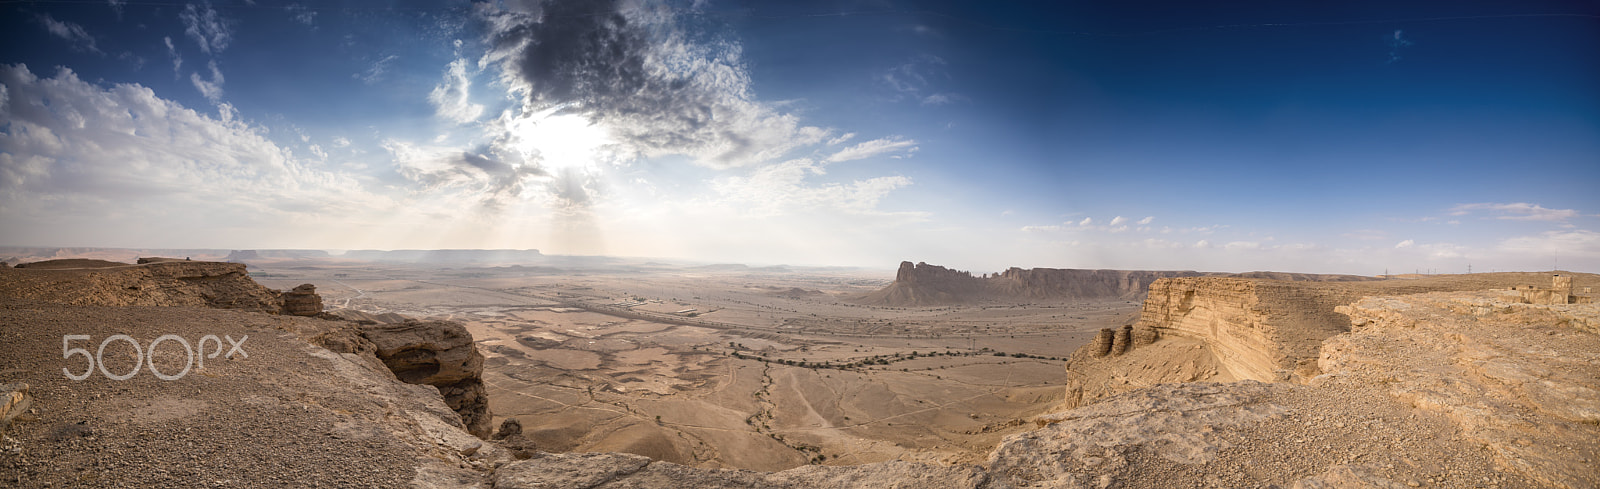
[852, 377]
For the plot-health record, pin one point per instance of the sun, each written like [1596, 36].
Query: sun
[560, 141]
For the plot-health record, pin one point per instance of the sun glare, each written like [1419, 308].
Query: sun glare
[560, 141]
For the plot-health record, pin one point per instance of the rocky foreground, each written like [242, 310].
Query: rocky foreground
[1426, 385]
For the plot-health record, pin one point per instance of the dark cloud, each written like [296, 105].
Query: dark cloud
[495, 178]
[637, 71]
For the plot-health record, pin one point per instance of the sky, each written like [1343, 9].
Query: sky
[1324, 137]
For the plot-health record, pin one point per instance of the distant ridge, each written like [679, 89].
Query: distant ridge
[922, 284]
[447, 256]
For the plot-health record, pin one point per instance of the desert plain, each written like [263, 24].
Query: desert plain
[670, 361]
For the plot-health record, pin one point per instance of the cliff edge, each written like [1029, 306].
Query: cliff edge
[921, 284]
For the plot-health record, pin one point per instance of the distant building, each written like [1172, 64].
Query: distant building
[1560, 292]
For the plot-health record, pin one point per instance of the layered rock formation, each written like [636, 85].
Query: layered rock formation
[302, 301]
[440, 354]
[922, 284]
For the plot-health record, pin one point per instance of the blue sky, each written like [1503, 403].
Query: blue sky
[1351, 137]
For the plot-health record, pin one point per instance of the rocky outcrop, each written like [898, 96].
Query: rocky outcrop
[440, 354]
[1520, 380]
[302, 301]
[1260, 329]
[1101, 345]
[156, 282]
[289, 414]
[169, 283]
[922, 284]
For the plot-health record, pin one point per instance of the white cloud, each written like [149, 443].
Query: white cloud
[302, 14]
[1242, 245]
[1519, 211]
[374, 73]
[1578, 243]
[208, 29]
[340, 142]
[172, 51]
[451, 98]
[73, 33]
[1147, 220]
[1405, 244]
[942, 99]
[121, 152]
[917, 77]
[211, 89]
[782, 188]
[1118, 220]
[1086, 222]
[841, 139]
[872, 148]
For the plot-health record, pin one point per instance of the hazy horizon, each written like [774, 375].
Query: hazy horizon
[1348, 138]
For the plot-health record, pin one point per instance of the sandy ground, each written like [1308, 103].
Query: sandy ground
[763, 370]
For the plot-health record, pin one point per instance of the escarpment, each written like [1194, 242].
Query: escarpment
[155, 283]
[165, 282]
[1232, 328]
[921, 284]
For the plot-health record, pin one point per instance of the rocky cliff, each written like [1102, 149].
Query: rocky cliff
[922, 284]
[191, 395]
[440, 354]
[1258, 329]
[167, 282]
[1228, 328]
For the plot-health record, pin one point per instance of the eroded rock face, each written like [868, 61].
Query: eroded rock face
[440, 354]
[302, 301]
[922, 284]
[1260, 329]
